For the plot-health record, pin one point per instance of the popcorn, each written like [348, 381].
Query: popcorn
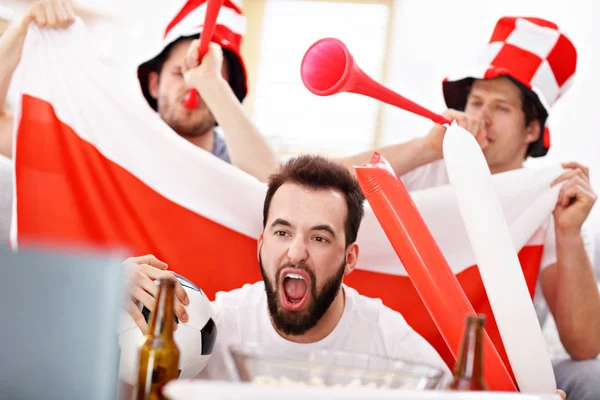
[355, 383]
[313, 381]
[283, 381]
[264, 380]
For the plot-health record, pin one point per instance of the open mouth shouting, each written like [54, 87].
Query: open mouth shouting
[294, 287]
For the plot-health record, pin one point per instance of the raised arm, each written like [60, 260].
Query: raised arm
[248, 148]
[407, 156]
[570, 285]
[46, 14]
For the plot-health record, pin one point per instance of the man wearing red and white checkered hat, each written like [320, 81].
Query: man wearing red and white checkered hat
[220, 79]
[505, 101]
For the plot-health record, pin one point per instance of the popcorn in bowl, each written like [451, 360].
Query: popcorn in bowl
[329, 368]
[314, 381]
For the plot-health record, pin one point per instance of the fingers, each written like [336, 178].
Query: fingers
[455, 115]
[473, 125]
[180, 311]
[145, 271]
[65, 13]
[577, 181]
[191, 59]
[70, 12]
[39, 16]
[215, 49]
[482, 138]
[51, 18]
[137, 316]
[152, 267]
[144, 289]
[156, 263]
[561, 394]
[576, 189]
[181, 297]
[575, 165]
[61, 14]
[150, 260]
[155, 274]
[181, 294]
[452, 114]
[147, 284]
[52, 13]
[469, 123]
[137, 292]
[571, 173]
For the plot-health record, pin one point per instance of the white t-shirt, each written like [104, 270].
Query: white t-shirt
[366, 326]
[434, 174]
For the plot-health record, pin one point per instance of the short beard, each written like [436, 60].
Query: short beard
[198, 127]
[295, 323]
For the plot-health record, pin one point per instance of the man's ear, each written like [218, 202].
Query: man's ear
[260, 242]
[153, 84]
[351, 258]
[534, 131]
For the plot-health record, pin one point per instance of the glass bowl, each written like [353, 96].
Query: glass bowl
[268, 365]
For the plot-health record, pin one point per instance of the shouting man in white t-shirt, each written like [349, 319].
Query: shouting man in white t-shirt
[312, 212]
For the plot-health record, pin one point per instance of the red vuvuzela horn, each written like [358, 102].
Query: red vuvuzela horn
[192, 99]
[329, 68]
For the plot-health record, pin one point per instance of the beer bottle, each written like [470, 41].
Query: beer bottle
[468, 370]
[159, 355]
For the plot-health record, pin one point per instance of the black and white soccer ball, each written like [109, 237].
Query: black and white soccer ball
[195, 338]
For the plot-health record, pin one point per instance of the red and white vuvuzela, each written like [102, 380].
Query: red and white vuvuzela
[329, 68]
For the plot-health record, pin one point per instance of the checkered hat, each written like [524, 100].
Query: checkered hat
[531, 51]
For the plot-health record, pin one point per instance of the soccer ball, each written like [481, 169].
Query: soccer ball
[195, 338]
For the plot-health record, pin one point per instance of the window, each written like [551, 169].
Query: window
[294, 119]
[5, 16]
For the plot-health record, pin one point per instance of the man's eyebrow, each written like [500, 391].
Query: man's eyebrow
[280, 221]
[496, 99]
[323, 227]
